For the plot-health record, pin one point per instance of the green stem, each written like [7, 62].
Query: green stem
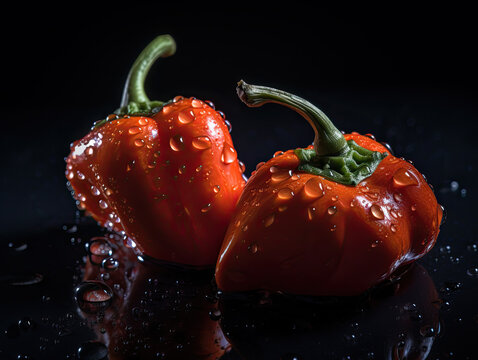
[328, 139]
[134, 96]
[333, 157]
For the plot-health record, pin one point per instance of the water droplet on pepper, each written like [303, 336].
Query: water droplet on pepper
[377, 212]
[403, 177]
[201, 143]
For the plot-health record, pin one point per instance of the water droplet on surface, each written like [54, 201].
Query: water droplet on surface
[282, 208]
[398, 197]
[427, 331]
[186, 117]
[310, 213]
[473, 271]
[210, 103]
[279, 174]
[182, 169]
[413, 208]
[89, 151]
[332, 210]
[139, 143]
[228, 125]
[454, 186]
[103, 204]
[176, 143]
[201, 143]
[229, 154]
[196, 103]
[268, 221]
[143, 121]
[393, 228]
[278, 153]
[206, 208]
[285, 194]
[93, 350]
[377, 212]
[259, 165]
[313, 188]
[95, 191]
[216, 188]
[110, 264]
[333, 228]
[402, 177]
[253, 248]
[80, 175]
[93, 296]
[134, 130]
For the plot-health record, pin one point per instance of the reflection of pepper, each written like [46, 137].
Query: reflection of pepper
[333, 219]
[165, 173]
[156, 312]
[396, 320]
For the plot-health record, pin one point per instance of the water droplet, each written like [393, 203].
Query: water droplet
[427, 331]
[310, 213]
[228, 125]
[178, 98]
[110, 264]
[98, 248]
[196, 103]
[335, 198]
[332, 210]
[139, 142]
[182, 169]
[143, 121]
[130, 165]
[413, 208]
[80, 175]
[333, 228]
[268, 221]
[282, 208]
[216, 188]
[89, 151]
[259, 165]
[186, 117]
[93, 296]
[211, 104]
[103, 204]
[279, 174]
[176, 143]
[229, 154]
[393, 228]
[473, 271]
[201, 142]
[375, 243]
[403, 177]
[17, 245]
[24, 279]
[253, 248]
[134, 130]
[206, 208]
[398, 197]
[278, 153]
[199, 168]
[377, 212]
[285, 194]
[92, 350]
[95, 191]
[314, 188]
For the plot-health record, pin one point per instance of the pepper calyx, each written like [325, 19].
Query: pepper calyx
[348, 168]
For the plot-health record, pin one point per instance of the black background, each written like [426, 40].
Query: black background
[407, 74]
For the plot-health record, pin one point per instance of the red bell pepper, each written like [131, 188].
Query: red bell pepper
[331, 219]
[165, 173]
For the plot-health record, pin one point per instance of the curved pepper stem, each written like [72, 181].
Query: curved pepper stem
[328, 139]
[134, 98]
[333, 157]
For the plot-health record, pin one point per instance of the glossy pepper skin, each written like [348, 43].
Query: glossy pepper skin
[165, 174]
[298, 232]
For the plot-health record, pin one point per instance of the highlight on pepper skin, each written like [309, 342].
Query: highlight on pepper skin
[165, 174]
[334, 224]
